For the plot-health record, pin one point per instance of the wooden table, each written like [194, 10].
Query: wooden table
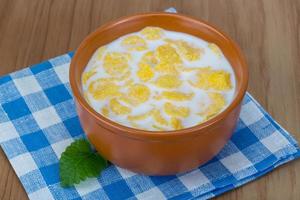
[268, 31]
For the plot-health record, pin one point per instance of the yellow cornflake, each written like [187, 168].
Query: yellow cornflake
[122, 78]
[103, 88]
[212, 79]
[137, 94]
[145, 72]
[170, 41]
[126, 99]
[128, 82]
[166, 68]
[149, 58]
[158, 127]
[116, 63]
[140, 93]
[100, 52]
[215, 49]
[217, 104]
[152, 33]
[189, 52]
[105, 111]
[134, 42]
[118, 108]
[87, 75]
[168, 81]
[176, 123]
[135, 125]
[138, 117]
[86, 97]
[167, 54]
[159, 118]
[176, 111]
[177, 96]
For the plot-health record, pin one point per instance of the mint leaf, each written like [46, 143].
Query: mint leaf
[78, 162]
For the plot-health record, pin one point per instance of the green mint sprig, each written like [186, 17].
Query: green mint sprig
[79, 162]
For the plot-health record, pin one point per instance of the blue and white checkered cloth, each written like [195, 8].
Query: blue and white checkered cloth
[38, 121]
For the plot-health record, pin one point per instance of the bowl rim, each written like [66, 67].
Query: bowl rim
[144, 134]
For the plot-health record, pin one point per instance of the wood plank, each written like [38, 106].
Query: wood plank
[268, 32]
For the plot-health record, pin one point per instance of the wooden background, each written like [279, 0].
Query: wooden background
[268, 31]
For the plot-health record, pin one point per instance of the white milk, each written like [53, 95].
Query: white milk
[195, 105]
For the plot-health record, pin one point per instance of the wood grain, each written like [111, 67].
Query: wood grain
[268, 31]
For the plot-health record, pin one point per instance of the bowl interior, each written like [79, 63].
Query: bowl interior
[168, 21]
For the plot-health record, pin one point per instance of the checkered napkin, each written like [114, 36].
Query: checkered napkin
[38, 121]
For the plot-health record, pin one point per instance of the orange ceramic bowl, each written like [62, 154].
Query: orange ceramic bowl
[166, 152]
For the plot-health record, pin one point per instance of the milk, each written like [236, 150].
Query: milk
[196, 104]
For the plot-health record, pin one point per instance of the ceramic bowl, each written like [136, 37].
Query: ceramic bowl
[165, 152]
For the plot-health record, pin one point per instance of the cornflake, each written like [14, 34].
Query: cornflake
[118, 108]
[152, 33]
[217, 104]
[159, 118]
[207, 78]
[134, 42]
[189, 52]
[176, 123]
[103, 88]
[176, 111]
[177, 96]
[168, 81]
[139, 92]
[215, 49]
[166, 53]
[100, 52]
[116, 63]
[87, 75]
[139, 117]
[145, 72]
[105, 111]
